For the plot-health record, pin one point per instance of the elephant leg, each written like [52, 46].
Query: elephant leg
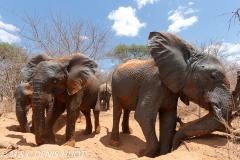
[168, 120]
[117, 111]
[87, 114]
[97, 124]
[125, 122]
[73, 103]
[108, 107]
[146, 117]
[56, 111]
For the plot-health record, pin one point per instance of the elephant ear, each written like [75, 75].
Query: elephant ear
[80, 69]
[29, 69]
[171, 54]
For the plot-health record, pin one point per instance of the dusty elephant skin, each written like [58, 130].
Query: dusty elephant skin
[105, 93]
[153, 87]
[68, 80]
[23, 96]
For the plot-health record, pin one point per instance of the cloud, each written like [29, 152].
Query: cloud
[84, 38]
[142, 3]
[228, 48]
[125, 22]
[190, 3]
[179, 20]
[6, 32]
[8, 37]
[231, 51]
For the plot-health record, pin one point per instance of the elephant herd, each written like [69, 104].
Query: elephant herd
[148, 87]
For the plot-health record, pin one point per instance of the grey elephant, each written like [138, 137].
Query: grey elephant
[72, 83]
[23, 94]
[105, 93]
[153, 87]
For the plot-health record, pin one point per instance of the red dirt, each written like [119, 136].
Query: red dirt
[96, 147]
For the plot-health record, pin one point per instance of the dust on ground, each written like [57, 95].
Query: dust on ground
[96, 147]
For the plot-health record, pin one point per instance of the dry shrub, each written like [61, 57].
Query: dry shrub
[7, 106]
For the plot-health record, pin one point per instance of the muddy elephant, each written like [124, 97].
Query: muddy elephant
[153, 87]
[105, 93]
[23, 94]
[69, 80]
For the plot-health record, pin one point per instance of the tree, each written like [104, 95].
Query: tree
[60, 35]
[13, 58]
[124, 52]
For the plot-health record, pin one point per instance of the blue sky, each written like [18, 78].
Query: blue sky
[132, 20]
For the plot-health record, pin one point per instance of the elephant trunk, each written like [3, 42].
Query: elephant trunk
[214, 121]
[39, 117]
[22, 119]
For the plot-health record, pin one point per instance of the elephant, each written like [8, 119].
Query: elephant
[22, 96]
[236, 92]
[153, 87]
[72, 83]
[105, 93]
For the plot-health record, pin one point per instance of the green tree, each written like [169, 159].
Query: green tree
[12, 59]
[124, 52]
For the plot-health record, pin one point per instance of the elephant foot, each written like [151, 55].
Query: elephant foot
[97, 129]
[115, 143]
[151, 154]
[70, 143]
[32, 130]
[49, 140]
[86, 131]
[127, 130]
[141, 153]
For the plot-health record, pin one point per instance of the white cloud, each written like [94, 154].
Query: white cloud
[231, 51]
[84, 38]
[228, 48]
[8, 37]
[190, 3]
[142, 3]
[6, 32]
[190, 10]
[125, 22]
[8, 27]
[179, 21]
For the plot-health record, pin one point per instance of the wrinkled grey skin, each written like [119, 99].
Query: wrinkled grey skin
[236, 93]
[65, 79]
[153, 87]
[23, 96]
[105, 93]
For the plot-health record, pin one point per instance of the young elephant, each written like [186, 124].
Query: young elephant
[72, 83]
[105, 93]
[153, 87]
[23, 96]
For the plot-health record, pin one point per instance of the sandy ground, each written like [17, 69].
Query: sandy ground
[96, 147]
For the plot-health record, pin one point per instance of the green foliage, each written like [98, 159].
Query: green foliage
[124, 52]
[10, 51]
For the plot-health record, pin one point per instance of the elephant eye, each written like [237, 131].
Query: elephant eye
[214, 76]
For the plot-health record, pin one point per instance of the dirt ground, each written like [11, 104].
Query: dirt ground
[96, 147]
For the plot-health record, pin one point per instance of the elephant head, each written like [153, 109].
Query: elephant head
[196, 77]
[53, 77]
